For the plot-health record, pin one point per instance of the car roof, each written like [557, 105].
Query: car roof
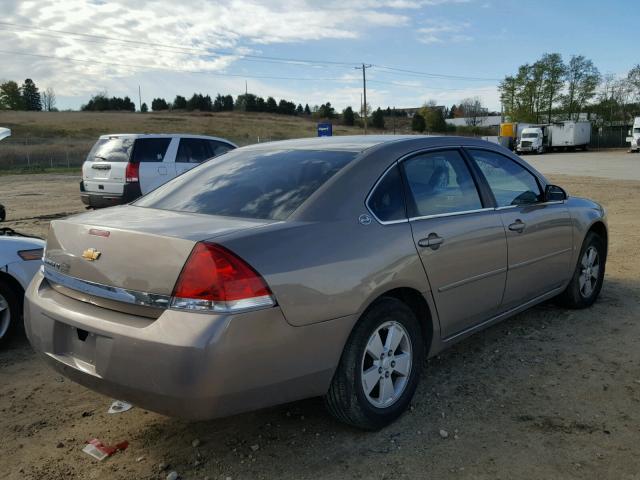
[164, 135]
[355, 143]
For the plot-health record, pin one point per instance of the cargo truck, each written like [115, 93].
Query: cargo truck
[634, 136]
[554, 136]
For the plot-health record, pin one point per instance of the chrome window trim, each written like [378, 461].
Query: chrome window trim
[133, 297]
[451, 214]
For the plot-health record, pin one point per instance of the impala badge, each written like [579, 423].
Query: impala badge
[91, 254]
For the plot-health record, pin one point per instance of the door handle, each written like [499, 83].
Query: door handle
[517, 226]
[433, 241]
[162, 170]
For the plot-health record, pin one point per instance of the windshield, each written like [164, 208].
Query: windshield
[529, 135]
[114, 149]
[265, 184]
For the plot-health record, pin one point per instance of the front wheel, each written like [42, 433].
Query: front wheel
[380, 367]
[586, 283]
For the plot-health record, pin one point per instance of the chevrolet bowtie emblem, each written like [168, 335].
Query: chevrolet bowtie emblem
[91, 254]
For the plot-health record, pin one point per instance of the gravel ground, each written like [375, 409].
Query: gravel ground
[550, 393]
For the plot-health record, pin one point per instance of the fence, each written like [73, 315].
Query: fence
[40, 152]
[609, 137]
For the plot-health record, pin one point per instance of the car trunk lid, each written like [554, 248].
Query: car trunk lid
[136, 253]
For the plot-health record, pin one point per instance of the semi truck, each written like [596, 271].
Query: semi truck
[634, 136]
[554, 136]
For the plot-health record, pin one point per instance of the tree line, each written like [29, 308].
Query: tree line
[26, 97]
[552, 89]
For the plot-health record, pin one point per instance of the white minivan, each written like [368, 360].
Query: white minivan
[122, 167]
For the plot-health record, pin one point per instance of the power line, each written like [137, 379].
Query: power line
[210, 51]
[220, 74]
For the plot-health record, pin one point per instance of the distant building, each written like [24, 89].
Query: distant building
[488, 121]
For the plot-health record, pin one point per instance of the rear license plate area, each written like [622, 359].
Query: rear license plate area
[75, 342]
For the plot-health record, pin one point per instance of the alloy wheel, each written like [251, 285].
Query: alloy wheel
[590, 271]
[386, 364]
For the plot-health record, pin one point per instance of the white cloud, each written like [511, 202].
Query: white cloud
[443, 32]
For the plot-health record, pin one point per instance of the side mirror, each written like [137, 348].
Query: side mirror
[553, 193]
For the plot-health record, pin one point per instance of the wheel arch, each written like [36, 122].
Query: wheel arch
[418, 305]
[599, 228]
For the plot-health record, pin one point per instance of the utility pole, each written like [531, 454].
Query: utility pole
[394, 120]
[364, 89]
[139, 98]
[246, 89]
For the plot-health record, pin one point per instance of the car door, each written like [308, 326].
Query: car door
[460, 239]
[150, 153]
[539, 233]
[192, 152]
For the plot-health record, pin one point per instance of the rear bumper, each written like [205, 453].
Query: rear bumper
[130, 192]
[187, 365]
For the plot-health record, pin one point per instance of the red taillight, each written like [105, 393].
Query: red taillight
[132, 173]
[216, 279]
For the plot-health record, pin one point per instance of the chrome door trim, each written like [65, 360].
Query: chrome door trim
[451, 214]
[118, 294]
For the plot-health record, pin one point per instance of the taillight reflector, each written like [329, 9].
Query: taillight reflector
[215, 279]
[132, 173]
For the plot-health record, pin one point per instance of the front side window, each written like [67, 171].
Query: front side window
[386, 201]
[265, 184]
[510, 182]
[193, 150]
[150, 149]
[439, 183]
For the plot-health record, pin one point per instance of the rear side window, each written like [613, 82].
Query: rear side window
[266, 184]
[440, 182]
[218, 148]
[510, 182]
[386, 201]
[115, 149]
[150, 149]
[193, 150]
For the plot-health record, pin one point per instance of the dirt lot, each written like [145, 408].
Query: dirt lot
[550, 393]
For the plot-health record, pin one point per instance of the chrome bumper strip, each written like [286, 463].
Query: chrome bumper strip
[118, 294]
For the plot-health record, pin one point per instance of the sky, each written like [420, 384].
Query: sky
[306, 51]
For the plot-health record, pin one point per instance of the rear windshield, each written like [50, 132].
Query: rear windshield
[252, 184]
[115, 149]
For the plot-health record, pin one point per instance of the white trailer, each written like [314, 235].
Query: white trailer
[569, 134]
[634, 136]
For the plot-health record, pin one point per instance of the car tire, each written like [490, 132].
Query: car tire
[585, 284]
[10, 310]
[369, 391]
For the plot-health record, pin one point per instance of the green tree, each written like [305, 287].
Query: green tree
[299, 109]
[433, 116]
[348, 117]
[271, 105]
[10, 97]
[179, 103]
[582, 78]
[417, 123]
[326, 111]
[553, 80]
[307, 110]
[144, 108]
[377, 118]
[31, 96]
[158, 104]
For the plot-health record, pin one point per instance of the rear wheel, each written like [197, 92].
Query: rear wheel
[586, 283]
[10, 310]
[380, 367]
